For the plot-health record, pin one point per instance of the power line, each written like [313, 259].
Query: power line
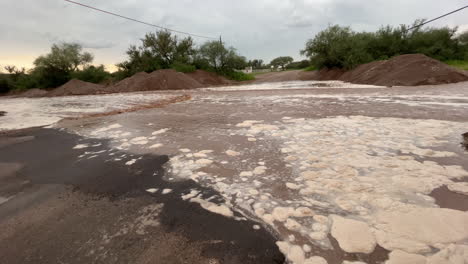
[138, 21]
[424, 23]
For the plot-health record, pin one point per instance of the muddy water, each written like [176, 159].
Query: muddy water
[348, 131]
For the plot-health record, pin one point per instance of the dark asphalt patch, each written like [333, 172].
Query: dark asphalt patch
[465, 141]
[50, 159]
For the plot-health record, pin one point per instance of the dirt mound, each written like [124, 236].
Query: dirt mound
[404, 70]
[33, 93]
[157, 80]
[208, 78]
[77, 87]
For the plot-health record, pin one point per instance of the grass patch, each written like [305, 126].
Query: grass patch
[310, 68]
[239, 76]
[181, 67]
[459, 64]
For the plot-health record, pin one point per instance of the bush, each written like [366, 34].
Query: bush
[310, 68]
[92, 74]
[5, 85]
[298, 65]
[342, 47]
[239, 76]
[459, 64]
[182, 67]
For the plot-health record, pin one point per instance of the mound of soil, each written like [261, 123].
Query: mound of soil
[208, 78]
[404, 70]
[33, 93]
[157, 80]
[77, 87]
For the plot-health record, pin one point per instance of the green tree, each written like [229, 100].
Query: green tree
[463, 37]
[15, 73]
[160, 50]
[281, 61]
[256, 64]
[56, 67]
[66, 57]
[220, 58]
[342, 47]
[215, 53]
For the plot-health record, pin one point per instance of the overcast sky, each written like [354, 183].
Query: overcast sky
[262, 29]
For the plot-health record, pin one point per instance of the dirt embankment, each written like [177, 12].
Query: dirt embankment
[404, 70]
[157, 80]
[142, 81]
[284, 76]
[209, 78]
[77, 87]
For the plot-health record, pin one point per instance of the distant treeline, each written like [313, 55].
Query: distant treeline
[341, 47]
[335, 46]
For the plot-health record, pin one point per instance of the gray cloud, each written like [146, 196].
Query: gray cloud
[261, 29]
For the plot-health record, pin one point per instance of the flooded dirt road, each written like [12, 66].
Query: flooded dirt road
[297, 171]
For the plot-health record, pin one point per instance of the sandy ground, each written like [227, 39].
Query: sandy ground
[318, 175]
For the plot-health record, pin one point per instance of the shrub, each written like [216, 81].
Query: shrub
[310, 68]
[92, 74]
[5, 85]
[239, 76]
[459, 64]
[182, 67]
[298, 65]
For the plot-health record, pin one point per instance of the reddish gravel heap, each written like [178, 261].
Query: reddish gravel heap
[77, 87]
[208, 78]
[404, 70]
[34, 93]
[157, 80]
[142, 81]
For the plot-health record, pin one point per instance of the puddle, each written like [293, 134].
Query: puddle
[445, 198]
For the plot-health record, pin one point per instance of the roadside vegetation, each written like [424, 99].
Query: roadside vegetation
[459, 64]
[342, 47]
[64, 62]
[160, 50]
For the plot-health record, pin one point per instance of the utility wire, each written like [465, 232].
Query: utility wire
[138, 21]
[426, 22]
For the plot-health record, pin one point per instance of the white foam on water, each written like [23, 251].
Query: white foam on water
[374, 172]
[33, 112]
[212, 207]
[293, 85]
[152, 190]
[81, 146]
[161, 131]
[166, 191]
[131, 162]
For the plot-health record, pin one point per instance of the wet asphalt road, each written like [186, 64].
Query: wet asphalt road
[93, 211]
